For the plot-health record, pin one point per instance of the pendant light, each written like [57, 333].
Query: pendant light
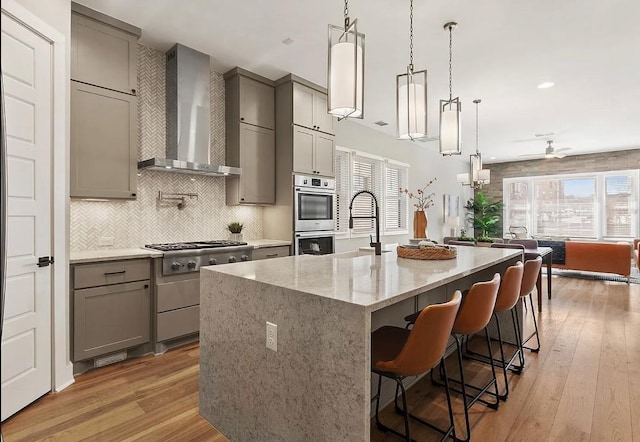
[450, 127]
[477, 176]
[345, 76]
[411, 96]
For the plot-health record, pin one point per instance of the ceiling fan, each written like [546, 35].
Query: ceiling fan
[549, 152]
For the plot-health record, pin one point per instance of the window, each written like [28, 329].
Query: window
[590, 205]
[356, 171]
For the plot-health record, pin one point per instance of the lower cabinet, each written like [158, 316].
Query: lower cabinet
[112, 316]
[270, 252]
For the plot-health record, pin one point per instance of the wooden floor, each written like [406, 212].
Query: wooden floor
[583, 385]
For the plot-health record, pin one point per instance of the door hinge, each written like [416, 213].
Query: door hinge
[44, 261]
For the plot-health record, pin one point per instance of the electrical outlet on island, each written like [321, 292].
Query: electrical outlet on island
[272, 336]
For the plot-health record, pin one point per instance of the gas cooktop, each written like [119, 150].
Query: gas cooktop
[195, 245]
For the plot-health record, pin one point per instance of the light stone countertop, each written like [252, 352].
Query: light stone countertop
[116, 254]
[259, 243]
[111, 255]
[363, 279]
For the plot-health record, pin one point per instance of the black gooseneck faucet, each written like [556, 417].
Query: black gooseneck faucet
[376, 245]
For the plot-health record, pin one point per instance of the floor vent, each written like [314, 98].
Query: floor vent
[110, 359]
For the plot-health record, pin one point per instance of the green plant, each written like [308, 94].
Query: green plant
[484, 215]
[235, 227]
[485, 239]
[465, 238]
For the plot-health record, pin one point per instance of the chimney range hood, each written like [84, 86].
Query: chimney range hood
[187, 129]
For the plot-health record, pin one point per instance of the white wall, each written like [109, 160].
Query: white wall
[426, 164]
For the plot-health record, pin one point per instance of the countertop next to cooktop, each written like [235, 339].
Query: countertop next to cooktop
[116, 254]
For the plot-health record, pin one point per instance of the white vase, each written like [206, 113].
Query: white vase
[235, 236]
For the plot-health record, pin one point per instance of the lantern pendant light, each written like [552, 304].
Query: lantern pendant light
[478, 175]
[411, 96]
[345, 76]
[450, 126]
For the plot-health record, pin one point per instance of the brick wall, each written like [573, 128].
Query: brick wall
[598, 162]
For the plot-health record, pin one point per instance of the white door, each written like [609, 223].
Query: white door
[26, 336]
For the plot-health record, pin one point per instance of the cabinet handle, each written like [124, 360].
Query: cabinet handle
[318, 127]
[133, 91]
[241, 118]
[121, 272]
[272, 255]
[133, 194]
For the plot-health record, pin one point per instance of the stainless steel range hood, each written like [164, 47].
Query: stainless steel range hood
[188, 137]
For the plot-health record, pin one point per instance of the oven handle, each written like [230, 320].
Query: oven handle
[315, 191]
[315, 234]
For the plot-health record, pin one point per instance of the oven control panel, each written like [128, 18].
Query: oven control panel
[314, 182]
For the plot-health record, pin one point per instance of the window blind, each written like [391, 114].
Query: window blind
[343, 177]
[366, 175]
[619, 206]
[583, 205]
[396, 203]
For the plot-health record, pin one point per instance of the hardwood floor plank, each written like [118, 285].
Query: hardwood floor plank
[632, 335]
[575, 412]
[612, 411]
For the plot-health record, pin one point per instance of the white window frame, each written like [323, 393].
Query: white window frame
[381, 195]
[600, 215]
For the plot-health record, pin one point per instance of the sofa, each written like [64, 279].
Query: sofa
[602, 257]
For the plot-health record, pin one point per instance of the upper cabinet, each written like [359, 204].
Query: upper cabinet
[305, 131]
[104, 117]
[250, 137]
[310, 109]
[103, 55]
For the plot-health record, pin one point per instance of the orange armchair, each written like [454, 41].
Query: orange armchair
[636, 252]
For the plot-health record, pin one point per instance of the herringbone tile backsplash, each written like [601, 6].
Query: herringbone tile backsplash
[146, 220]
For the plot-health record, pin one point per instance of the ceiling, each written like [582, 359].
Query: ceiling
[502, 50]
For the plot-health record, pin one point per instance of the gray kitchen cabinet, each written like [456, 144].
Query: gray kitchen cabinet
[250, 137]
[111, 307]
[313, 152]
[103, 55]
[249, 98]
[270, 252]
[103, 143]
[256, 155]
[310, 109]
[104, 115]
[305, 144]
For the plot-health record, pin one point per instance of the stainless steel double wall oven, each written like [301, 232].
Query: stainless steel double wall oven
[313, 211]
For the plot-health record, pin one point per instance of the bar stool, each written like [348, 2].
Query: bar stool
[474, 316]
[529, 278]
[397, 353]
[508, 296]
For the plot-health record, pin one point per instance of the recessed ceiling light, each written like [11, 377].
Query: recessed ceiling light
[288, 41]
[492, 158]
[381, 123]
[546, 134]
[546, 85]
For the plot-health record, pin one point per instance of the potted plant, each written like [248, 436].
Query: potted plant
[235, 231]
[484, 215]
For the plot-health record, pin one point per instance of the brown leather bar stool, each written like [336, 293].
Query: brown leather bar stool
[508, 296]
[529, 278]
[397, 353]
[474, 316]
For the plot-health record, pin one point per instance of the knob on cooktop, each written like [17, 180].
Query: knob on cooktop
[175, 266]
[232, 259]
[244, 258]
[213, 261]
[191, 264]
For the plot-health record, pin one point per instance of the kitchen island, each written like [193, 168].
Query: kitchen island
[317, 385]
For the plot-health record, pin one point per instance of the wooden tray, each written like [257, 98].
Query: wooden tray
[427, 253]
